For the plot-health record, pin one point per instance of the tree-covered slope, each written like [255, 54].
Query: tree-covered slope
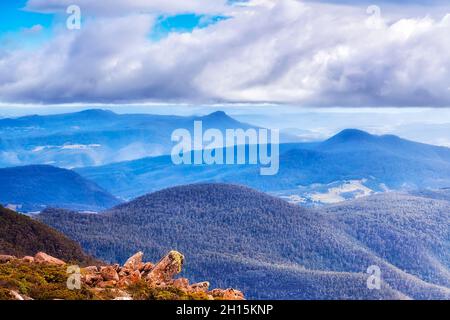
[33, 188]
[411, 232]
[22, 236]
[242, 238]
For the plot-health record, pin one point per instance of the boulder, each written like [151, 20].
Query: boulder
[146, 267]
[124, 298]
[91, 279]
[232, 294]
[228, 294]
[5, 258]
[42, 257]
[109, 273]
[166, 268]
[15, 295]
[117, 267]
[90, 270]
[181, 283]
[120, 294]
[130, 279]
[124, 272]
[200, 287]
[134, 262]
[28, 259]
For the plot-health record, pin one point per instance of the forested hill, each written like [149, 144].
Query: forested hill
[263, 245]
[33, 188]
[22, 236]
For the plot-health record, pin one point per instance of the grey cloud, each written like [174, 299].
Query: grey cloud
[270, 51]
[120, 7]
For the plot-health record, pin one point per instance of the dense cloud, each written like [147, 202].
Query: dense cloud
[267, 51]
[115, 7]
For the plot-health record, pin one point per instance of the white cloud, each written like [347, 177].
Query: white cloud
[270, 51]
[34, 29]
[115, 7]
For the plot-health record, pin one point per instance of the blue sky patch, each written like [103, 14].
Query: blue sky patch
[13, 18]
[23, 29]
[182, 23]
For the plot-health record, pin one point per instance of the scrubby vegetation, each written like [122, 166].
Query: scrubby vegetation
[142, 291]
[21, 236]
[38, 281]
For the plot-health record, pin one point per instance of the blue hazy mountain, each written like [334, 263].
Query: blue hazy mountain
[33, 188]
[353, 162]
[95, 137]
[270, 249]
[356, 140]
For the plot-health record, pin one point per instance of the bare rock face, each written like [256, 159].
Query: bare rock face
[166, 268]
[6, 258]
[134, 262]
[42, 257]
[109, 273]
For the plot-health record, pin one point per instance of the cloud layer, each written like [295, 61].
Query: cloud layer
[120, 7]
[284, 51]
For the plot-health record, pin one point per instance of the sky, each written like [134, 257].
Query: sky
[308, 54]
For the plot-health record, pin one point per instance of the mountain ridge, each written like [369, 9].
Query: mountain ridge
[95, 137]
[397, 164]
[35, 187]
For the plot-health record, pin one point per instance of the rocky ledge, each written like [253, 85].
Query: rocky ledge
[46, 277]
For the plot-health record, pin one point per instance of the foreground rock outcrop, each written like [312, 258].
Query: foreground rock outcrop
[42, 257]
[135, 280]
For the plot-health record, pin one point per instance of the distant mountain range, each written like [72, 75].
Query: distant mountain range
[269, 248]
[33, 188]
[349, 165]
[95, 137]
